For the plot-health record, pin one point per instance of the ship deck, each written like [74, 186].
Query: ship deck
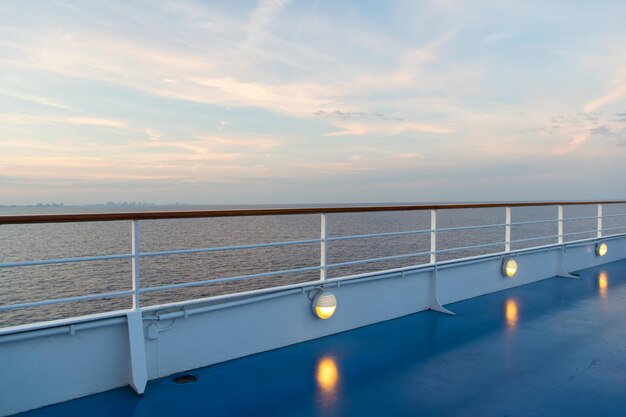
[555, 347]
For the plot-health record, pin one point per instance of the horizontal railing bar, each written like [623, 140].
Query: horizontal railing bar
[580, 233]
[484, 245]
[384, 258]
[228, 296]
[335, 265]
[38, 326]
[156, 215]
[534, 238]
[229, 279]
[410, 232]
[580, 218]
[614, 228]
[534, 222]
[485, 226]
[59, 330]
[588, 240]
[65, 300]
[607, 237]
[221, 306]
[64, 260]
[383, 273]
[614, 215]
[416, 268]
[226, 248]
[377, 274]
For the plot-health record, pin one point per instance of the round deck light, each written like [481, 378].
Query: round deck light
[324, 305]
[601, 249]
[509, 267]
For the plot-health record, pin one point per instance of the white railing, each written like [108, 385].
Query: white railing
[324, 266]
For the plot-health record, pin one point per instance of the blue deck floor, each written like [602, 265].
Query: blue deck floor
[553, 348]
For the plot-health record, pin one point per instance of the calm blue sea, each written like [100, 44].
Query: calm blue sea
[46, 241]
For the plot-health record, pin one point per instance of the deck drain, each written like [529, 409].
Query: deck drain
[185, 379]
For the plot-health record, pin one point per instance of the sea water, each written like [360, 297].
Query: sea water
[65, 240]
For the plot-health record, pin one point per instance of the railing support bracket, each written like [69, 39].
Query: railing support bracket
[435, 305]
[138, 377]
[562, 270]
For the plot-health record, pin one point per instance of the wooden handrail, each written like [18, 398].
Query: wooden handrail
[191, 214]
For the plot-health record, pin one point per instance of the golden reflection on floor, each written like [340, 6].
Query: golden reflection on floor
[511, 312]
[327, 376]
[603, 284]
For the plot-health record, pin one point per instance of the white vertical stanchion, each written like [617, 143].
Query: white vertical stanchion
[507, 230]
[323, 249]
[563, 273]
[435, 305]
[560, 223]
[433, 236]
[599, 220]
[138, 375]
[135, 263]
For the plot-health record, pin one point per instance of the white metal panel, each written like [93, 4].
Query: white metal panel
[43, 371]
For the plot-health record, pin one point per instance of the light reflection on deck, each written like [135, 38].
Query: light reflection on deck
[327, 376]
[511, 312]
[603, 284]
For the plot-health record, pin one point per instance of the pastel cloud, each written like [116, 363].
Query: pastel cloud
[262, 15]
[579, 129]
[392, 128]
[29, 119]
[176, 74]
[616, 94]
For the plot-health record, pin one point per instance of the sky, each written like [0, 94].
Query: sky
[316, 101]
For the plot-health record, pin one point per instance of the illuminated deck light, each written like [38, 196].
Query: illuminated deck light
[509, 267]
[324, 305]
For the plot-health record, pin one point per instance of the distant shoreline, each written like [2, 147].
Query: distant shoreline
[60, 208]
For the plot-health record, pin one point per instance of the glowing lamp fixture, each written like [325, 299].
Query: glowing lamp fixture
[324, 305]
[509, 267]
[601, 249]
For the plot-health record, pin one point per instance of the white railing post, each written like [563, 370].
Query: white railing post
[507, 230]
[599, 220]
[433, 236]
[323, 249]
[138, 377]
[435, 304]
[135, 263]
[560, 222]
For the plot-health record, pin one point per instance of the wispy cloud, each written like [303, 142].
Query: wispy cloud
[262, 15]
[44, 101]
[495, 37]
[306, 16]
[387, 128]
[572, 131]
[409, 155]
[298, 98]
[577, 140]
[30, 119]
[616, 93]
[359, 115]
[263, 143]
[410, 71]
